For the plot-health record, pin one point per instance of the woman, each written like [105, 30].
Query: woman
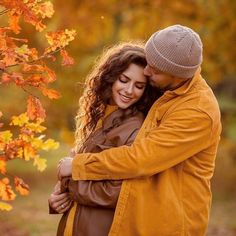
[116, 100]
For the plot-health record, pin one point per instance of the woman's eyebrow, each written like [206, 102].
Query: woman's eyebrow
[127, 77]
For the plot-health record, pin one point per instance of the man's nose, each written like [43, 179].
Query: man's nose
[147, 71]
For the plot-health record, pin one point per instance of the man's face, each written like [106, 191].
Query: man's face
[160, 79]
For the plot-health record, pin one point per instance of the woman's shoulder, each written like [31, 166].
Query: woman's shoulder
[127, 116]
[126, 130]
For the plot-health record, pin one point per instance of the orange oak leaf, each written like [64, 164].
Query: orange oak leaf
[29, 152]
[14, 22]
[13, 77]
[1, 124]
[51, 93]
[2, 166]
[6, 78]
[6, 192]
[32, 68]
[21, 186]
[35, 80]
[13, 148]
[9, 57]
[40, 26]
[51, 75]
[66, 59]
[35, 109]
[45, 9]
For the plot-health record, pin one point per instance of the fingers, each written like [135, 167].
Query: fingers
[57, 188]
[56, 200]
[64, 206]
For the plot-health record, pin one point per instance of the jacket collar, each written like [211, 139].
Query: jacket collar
[186, 86]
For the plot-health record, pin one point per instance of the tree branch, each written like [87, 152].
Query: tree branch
[4, 11]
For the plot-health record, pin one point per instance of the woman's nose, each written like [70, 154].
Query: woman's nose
[129, 89]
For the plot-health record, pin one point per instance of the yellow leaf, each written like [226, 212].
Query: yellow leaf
[40, 163]
[45, 9]
[20, 153]
[29, 152]
[5, 136]
[36, 127]
[37, 142]
[20, 120]
[50, 144]
[22, 50]
[5, 206]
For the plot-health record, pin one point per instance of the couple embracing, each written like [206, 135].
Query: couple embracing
[147, 132]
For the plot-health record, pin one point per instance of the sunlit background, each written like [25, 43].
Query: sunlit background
[101, 23]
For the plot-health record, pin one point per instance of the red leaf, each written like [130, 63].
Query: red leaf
[51, 93]
[6, 78]
[35, 109]
[66, 59]
[51, 75]
[13, 22]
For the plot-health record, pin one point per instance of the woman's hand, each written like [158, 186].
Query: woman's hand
[60, 202]
[64, 167]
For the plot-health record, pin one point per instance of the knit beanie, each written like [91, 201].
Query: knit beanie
[175, 50]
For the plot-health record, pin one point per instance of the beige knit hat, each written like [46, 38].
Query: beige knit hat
[176, 50]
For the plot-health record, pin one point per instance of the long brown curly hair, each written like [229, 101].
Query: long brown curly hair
[98, 88]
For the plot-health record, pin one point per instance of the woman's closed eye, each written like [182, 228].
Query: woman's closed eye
[123, 79]
[140, 86]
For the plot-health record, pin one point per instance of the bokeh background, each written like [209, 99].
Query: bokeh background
[101, 23]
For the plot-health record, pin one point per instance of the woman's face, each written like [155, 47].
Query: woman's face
[129, 87]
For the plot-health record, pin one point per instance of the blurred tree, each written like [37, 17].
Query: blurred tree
[101, 23]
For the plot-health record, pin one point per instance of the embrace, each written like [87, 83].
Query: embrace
[147, 132]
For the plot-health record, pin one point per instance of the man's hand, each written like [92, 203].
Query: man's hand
[64, 167]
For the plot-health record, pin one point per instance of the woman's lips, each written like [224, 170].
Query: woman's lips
[125, 98]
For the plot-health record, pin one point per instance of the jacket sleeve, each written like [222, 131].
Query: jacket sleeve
[103, 193]
[95, 193]
[181, 135]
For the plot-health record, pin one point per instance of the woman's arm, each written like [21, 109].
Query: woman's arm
[93, 193]
[103, 193]
[59, 202]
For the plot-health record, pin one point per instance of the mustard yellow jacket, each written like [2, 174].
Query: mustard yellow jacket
[167, 169]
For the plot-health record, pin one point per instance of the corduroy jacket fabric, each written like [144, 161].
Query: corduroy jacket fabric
[167, 169]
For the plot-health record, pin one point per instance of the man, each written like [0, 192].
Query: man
[167, 171]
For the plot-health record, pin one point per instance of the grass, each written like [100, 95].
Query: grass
[30, 217]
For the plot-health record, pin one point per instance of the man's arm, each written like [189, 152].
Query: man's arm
[180, 136]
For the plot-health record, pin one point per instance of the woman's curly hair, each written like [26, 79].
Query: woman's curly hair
[98, 87]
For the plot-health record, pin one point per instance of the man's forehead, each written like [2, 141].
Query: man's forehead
[154, 69]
